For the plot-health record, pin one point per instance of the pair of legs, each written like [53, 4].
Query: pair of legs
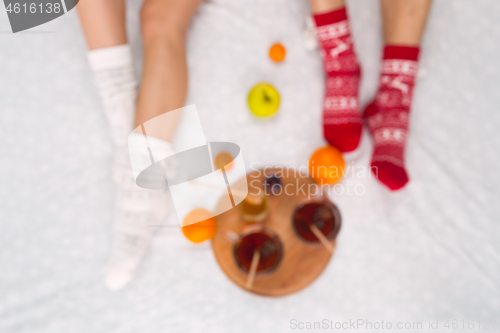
[163, 88]
[404, 20]
[164, 26]
[387, 117]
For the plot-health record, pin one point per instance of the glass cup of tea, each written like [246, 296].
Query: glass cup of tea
[322, 214]
[258, 238]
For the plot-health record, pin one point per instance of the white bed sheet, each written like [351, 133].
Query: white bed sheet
[430, 252]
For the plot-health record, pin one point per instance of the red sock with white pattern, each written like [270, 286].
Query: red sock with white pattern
[388, 115]
[342, 121]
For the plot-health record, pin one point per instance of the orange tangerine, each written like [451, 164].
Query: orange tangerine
[277, 52]
[326, 165]
[200, 231]
[223, 159]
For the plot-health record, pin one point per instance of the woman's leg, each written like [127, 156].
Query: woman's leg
[342, 121]
[404, 21]
[103, 22]
[110, 58]
[164, 25]
[388, 115]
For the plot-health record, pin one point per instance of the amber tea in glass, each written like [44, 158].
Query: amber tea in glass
[262, 239]
[323, 214]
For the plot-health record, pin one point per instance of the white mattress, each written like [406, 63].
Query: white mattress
[430, 252]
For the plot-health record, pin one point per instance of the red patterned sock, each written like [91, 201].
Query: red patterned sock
[388, 115]
[342, 122]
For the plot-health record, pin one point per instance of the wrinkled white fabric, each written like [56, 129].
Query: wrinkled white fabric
[430, 252]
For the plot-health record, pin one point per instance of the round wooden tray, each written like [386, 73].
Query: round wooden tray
[302, 261]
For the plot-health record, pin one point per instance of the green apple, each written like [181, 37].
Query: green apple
[263, 100]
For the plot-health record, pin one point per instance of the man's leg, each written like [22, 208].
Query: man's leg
[404, 21]
[325, 6]
[388, 115]
[342, 121]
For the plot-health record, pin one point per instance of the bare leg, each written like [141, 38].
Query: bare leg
[165, 25]
[324, 6]
[404, 21]
[103, 22]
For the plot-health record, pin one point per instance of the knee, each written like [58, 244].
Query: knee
[159, 20]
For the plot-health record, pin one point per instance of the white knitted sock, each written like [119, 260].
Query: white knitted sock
[117, 86]
[137, 214]
[136, 210]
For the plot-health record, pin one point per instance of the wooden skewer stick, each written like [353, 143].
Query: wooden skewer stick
[322, 238]
[234, 192]
[253, 269]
